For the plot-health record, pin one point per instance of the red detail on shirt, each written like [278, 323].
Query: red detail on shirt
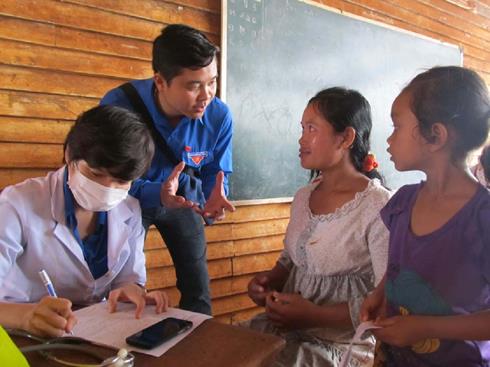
[197, 159]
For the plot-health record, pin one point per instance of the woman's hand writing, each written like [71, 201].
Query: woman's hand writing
[50, 317]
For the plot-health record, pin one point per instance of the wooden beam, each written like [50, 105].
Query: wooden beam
[43, 57]
[75, 39]
[11, 176]
[26, 155]
[158, 11]
[49, 106]
[30, 130]
[254, 263]
[27, 79]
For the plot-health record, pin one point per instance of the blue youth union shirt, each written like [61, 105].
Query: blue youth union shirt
[205, 144]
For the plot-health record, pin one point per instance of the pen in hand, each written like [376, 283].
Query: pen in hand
[47, 283]
[49, 286]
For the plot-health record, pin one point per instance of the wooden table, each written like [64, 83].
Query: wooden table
[211, 344]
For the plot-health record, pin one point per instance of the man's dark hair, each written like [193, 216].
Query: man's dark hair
[111, 138]
[180, 46]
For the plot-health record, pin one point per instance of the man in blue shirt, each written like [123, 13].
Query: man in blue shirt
[197, 128]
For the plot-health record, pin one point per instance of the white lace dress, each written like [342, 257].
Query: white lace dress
[332, 258]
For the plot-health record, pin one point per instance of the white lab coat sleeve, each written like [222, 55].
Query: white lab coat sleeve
[134, 270]
[12, 238]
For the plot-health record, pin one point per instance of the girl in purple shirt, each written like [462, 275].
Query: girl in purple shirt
[434, 302]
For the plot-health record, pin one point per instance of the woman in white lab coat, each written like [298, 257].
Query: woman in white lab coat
[79, 224]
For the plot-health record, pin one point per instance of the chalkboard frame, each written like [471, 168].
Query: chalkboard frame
[224, 53]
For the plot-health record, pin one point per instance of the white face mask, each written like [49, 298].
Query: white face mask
[91, 195]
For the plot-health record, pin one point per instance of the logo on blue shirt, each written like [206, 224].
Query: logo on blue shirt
[197, 157]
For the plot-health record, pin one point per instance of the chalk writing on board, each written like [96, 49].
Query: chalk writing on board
[245, 21]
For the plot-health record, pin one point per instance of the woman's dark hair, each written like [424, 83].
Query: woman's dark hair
[344, 108]
[111, 138]
[485, 162]
[456, 97]
[178, 47]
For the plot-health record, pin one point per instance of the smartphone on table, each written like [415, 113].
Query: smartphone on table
[158, 333]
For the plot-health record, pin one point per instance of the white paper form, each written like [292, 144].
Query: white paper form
[96, 324]
[361, 329]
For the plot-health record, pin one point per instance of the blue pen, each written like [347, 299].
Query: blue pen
[49, 286]
[47, 283]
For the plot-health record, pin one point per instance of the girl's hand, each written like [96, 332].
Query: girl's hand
[259, 287]
[402, 331]
[50, 317]
[374, 306]
[137, 295]
[290, 310]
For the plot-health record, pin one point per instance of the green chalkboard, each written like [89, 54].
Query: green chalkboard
[279, 53]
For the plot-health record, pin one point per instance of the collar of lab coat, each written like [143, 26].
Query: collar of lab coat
[118, 219]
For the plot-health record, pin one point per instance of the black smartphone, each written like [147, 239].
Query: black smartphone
[158, 333]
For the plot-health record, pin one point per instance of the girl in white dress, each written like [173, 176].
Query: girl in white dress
[335, 245]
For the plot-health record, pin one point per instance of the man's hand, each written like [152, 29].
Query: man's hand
[217, 202]
[168, 194]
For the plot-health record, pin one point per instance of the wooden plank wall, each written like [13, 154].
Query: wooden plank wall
[58, 57]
